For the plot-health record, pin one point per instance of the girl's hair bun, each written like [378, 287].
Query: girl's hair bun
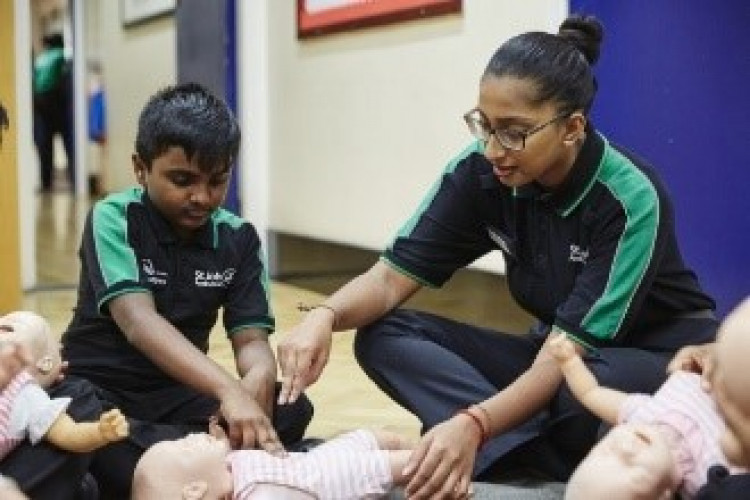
[586, 33]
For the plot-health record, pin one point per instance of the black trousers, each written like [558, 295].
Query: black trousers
[45, 472]
[433, 367]
[171, 413]
[50, 119]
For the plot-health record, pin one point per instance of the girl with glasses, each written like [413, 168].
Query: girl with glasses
[587, 232]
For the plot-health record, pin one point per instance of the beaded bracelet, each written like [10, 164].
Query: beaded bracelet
[478, 422]
[307, 308]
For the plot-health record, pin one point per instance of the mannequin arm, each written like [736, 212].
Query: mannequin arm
[603, 402]
[83, 437]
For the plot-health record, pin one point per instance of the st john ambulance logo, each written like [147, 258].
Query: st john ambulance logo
[578, 254]
[153, 276]
[214, 279]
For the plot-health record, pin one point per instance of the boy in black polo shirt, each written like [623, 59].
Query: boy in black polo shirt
[158, 263]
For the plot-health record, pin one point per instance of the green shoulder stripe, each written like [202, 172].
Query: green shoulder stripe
[117, 261]
[223, 216]
[408, 227]
[265, 281]
[639, 200]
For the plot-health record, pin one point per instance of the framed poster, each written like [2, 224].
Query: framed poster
[138, 11]
[319, 17]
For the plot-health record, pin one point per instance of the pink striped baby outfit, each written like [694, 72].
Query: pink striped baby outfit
[349, 467]
[683, 405]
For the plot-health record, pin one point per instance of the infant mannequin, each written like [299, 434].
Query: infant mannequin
[729, 383]
[25, 408]
[355, 465]
[663, 444]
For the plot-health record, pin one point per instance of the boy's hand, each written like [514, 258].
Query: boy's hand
[561, 348]
[113, 425]
[248, 426]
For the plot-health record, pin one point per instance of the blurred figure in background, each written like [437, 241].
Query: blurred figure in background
[53, 108]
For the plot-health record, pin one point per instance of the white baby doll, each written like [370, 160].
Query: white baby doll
[9, 490]
[25, 408]
[661, 445]
[355, 465]
[729, 383]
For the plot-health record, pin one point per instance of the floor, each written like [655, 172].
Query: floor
[305, 271]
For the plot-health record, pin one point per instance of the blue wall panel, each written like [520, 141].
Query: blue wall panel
[674, 86]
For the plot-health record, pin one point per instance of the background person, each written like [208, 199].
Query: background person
[53, 108]
[587, 232]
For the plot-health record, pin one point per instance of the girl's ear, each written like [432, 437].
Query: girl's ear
[575, 128]
[194, 490]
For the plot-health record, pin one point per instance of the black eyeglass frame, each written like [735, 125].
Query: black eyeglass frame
[479, 133]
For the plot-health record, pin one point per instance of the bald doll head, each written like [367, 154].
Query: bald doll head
[32, 331]
[730, 383]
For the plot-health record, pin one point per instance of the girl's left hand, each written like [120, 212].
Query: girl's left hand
[441, 465]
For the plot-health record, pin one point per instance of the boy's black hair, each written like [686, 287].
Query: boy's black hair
[560, 65]
[190, 117]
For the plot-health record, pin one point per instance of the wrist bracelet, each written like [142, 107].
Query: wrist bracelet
[487, 417]
[307, 308]
[478, 422]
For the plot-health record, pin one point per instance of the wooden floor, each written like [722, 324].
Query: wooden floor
[344, 398]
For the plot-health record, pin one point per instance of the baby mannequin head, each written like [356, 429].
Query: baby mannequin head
[729, 383]
[31, 331]
[190, 468]
[632, 462]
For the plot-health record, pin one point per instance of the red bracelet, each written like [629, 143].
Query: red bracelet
[478, 422]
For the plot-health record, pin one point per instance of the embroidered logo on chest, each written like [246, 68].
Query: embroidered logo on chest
[214, 279]
[153, 276]
[578, 254]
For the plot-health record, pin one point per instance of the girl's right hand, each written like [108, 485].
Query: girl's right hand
[304, 352]
[697, 359]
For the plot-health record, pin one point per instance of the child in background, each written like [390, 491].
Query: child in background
[356, 465]
[660, 444]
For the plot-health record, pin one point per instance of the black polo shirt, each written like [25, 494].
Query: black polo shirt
[597, 258]
[128, 247]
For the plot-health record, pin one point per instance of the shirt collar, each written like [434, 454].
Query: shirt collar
[204, 237]
[581, 177]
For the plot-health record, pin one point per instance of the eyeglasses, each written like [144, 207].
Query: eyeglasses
[508, 138]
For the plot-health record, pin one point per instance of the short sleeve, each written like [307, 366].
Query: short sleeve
[34, 412]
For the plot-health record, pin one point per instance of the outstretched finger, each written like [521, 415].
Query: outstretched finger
[269, 441]
[288, 362]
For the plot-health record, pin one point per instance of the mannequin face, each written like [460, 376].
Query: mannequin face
[631, 462]
[193, 467]
[31, 331]
[729, 383]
